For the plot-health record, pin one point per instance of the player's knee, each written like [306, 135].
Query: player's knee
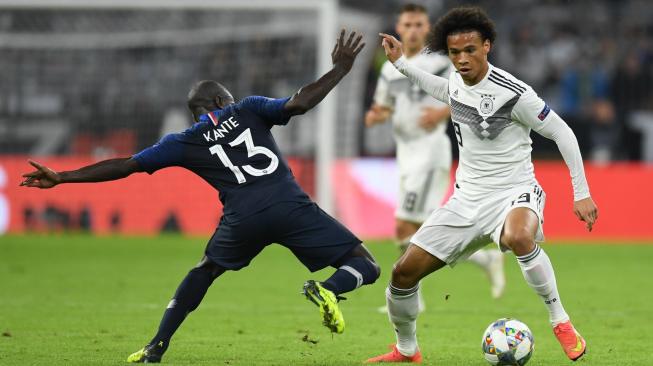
[375, 272]
[403, 277]
[209, 268]
[518, 240]
[368, 270]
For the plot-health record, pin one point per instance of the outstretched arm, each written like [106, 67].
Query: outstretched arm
[584, 207]
[533, 112]
[343, 56]
[436, 86]
[112, 169]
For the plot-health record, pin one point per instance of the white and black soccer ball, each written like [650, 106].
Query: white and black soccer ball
[508, 342]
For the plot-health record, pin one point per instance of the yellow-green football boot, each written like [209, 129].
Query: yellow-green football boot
[327, 301]
[152, 353]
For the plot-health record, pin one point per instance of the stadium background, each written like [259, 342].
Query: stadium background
[105, 79]
[84, 274]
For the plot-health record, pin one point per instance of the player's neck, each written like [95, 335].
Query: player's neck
[410, 52]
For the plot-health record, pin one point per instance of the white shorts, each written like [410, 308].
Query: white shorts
[462, 226]
[421, 193]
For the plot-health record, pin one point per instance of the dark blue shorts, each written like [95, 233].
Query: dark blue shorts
[314, 237]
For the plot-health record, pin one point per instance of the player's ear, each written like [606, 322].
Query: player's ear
[218, 102]
[487, 46]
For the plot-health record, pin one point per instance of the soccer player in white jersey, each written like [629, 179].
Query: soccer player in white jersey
[423, 147]
[496, 197]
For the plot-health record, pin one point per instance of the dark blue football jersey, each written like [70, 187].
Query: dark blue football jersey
[233, 150]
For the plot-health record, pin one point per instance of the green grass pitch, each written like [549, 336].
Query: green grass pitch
[82, 300]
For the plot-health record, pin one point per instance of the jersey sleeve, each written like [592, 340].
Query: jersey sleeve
[382, 95]
[436, 86]
[269, 109]
[167, 152]
[533, 112]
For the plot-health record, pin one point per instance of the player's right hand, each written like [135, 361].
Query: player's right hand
[43, 177]
[392, 47]
[587, 211]
[344, 53]
[376, 114]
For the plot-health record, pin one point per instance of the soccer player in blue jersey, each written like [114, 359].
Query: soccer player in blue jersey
[232, 149]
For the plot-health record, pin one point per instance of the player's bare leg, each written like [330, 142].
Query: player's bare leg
[187, 298]
[404, 230]
[402, 300]
[518, 234]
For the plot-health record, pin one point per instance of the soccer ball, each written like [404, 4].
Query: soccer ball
[507, 342]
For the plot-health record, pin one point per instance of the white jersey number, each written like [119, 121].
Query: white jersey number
[252, 150]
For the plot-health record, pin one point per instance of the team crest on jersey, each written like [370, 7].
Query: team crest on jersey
[487, 104]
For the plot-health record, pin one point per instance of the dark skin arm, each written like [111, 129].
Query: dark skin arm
[106, 170]
[343, 57]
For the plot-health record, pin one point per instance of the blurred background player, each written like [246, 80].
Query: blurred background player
[419, 124]
[231, 147]
[497, 197]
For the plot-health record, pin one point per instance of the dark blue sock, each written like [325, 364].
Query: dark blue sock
[352, 273]
[187, 298]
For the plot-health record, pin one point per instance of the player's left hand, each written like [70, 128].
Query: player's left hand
[43, 177]
[344, 53]
[392, 47]
[432, 117]
[587, 211]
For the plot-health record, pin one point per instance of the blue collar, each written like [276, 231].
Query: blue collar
[212, 116]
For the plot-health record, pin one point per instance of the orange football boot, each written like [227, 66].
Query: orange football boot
[571, 341]
[395, 356]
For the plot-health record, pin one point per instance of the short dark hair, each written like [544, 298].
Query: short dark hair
[204, 92]
[460, 20]
[412, 8]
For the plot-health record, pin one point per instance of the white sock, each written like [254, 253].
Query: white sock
[421, 305]
[403, 307]
[538, 272]
[480, 257]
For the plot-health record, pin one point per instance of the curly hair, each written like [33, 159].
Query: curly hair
[460, 20]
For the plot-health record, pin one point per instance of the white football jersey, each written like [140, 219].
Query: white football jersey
[418, 150]
[492, 122]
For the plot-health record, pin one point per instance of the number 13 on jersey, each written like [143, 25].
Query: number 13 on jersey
[252, 150]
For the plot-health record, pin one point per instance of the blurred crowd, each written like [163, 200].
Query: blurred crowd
[591, 61]
[107, 83]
